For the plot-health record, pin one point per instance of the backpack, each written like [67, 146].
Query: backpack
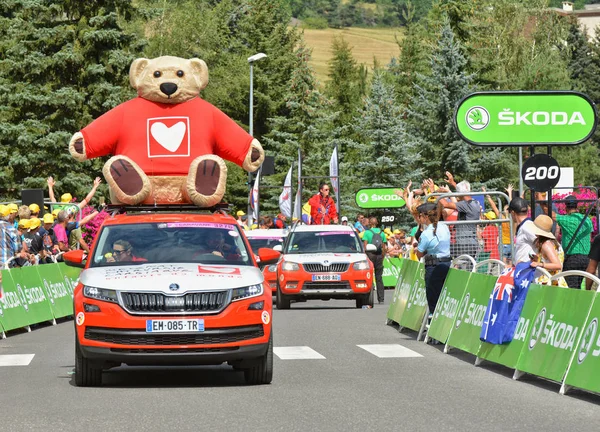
[377, 240]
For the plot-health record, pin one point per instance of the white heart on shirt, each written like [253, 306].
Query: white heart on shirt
[168, 137]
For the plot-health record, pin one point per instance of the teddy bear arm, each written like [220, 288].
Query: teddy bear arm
[254, 157]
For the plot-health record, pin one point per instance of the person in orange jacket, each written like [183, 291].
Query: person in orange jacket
[322, 207]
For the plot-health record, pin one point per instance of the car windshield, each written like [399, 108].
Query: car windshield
[176, 242]
[324, 241]
[264, 242]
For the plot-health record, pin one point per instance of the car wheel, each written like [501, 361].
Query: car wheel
[262, 372]
[359, 302]
[282, 301]
[86, 374]
[370, 298]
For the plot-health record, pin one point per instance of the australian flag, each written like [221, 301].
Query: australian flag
[506, 303]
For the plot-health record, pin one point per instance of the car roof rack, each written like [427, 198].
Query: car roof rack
[115, 209]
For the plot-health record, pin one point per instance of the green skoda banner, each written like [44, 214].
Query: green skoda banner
[555, 332]
[70, 273]
[32, 295]
[447, 306]
[394, 303]
[583, 372]
[408, 279]
[471, 311]
[525, 118]
[14, 307]
[416, 304]
[378, 198]
[58, 288]
[508, 354]
[391, 268]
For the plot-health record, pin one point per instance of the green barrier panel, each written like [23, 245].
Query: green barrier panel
[467, 325]
[411, 268]
[13, 309]
[29, 285]
[71, 274]
[58, 288]
[583, 371]
[390, 273]
[447, 306]
[555, 332]
[508, 354]
[394, 303]
[416, 305]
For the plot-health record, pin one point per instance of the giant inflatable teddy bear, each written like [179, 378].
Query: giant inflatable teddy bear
[168, 144]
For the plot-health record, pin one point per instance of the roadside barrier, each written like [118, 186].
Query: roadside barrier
[557, 336]
[391, 268]
[35, 294]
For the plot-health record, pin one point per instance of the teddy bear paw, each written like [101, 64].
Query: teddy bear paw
[128, 182]
[206, 180]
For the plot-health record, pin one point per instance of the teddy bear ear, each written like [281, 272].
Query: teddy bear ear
[135, 71]
[200, 71]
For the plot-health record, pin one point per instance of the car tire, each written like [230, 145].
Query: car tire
[86, 374]
[282, 301]
[364, 300]
[262, 372]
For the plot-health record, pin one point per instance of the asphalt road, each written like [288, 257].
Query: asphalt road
[346, 388]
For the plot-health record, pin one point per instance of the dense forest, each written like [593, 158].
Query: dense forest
[65, 62]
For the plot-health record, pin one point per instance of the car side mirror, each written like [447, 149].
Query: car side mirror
[371, 248]
[278, 248]
[268, 256]
[75, 258]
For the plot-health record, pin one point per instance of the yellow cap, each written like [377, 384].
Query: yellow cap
[254, 226]
[4, 211]
[66, 198]
[397, 231]
[24, 223]
[13, 208]
[240, 213]
[48, 218]
[55, 212]
[34, 223]
[34, 208]
[490, 215]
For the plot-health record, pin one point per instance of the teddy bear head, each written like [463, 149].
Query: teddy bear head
[168, 79]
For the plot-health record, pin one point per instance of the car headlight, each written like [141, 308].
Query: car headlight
[273, 268]
[100, 294]
[361, 265]
[247, 292]
[290, 266]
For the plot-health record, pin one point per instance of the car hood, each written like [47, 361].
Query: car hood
[320, 257]
[159, 277]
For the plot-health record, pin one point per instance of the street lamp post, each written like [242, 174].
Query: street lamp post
[251, 61]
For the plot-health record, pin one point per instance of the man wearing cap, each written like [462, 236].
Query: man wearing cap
[48, 237]
[32, 237]
[525, 233]
[34, 209]
[375, 235]
[9, 245]
[576, 233]
[66, 198]
[490, 237]
[239, 220]
[280, 221]
[13, 210]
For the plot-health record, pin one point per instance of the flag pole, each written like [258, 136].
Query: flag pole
[337, 192]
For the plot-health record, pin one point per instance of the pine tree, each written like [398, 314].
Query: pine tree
[63, 63]
[388, 158]
[307, 124]
[343, 86]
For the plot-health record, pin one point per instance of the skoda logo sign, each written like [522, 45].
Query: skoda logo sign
[326, 263]
[477, 118]
[174, 287]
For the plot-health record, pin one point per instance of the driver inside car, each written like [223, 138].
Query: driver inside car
[122, 251]
[214, 243]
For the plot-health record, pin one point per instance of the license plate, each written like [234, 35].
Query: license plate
[174, 326]
[326, 277]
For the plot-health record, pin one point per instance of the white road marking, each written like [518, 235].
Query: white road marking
[297, 353]
[16, 359]
[389, 351]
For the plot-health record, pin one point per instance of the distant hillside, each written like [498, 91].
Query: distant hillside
[366, 44]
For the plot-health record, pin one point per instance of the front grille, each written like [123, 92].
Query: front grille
[191, 302]
[140, 337]
[173, 350]
[326, 286]
[320, 268]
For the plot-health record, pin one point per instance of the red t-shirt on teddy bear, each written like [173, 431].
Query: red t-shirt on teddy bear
[164, 139]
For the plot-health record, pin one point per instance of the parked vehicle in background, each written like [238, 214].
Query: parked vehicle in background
[267, 238]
